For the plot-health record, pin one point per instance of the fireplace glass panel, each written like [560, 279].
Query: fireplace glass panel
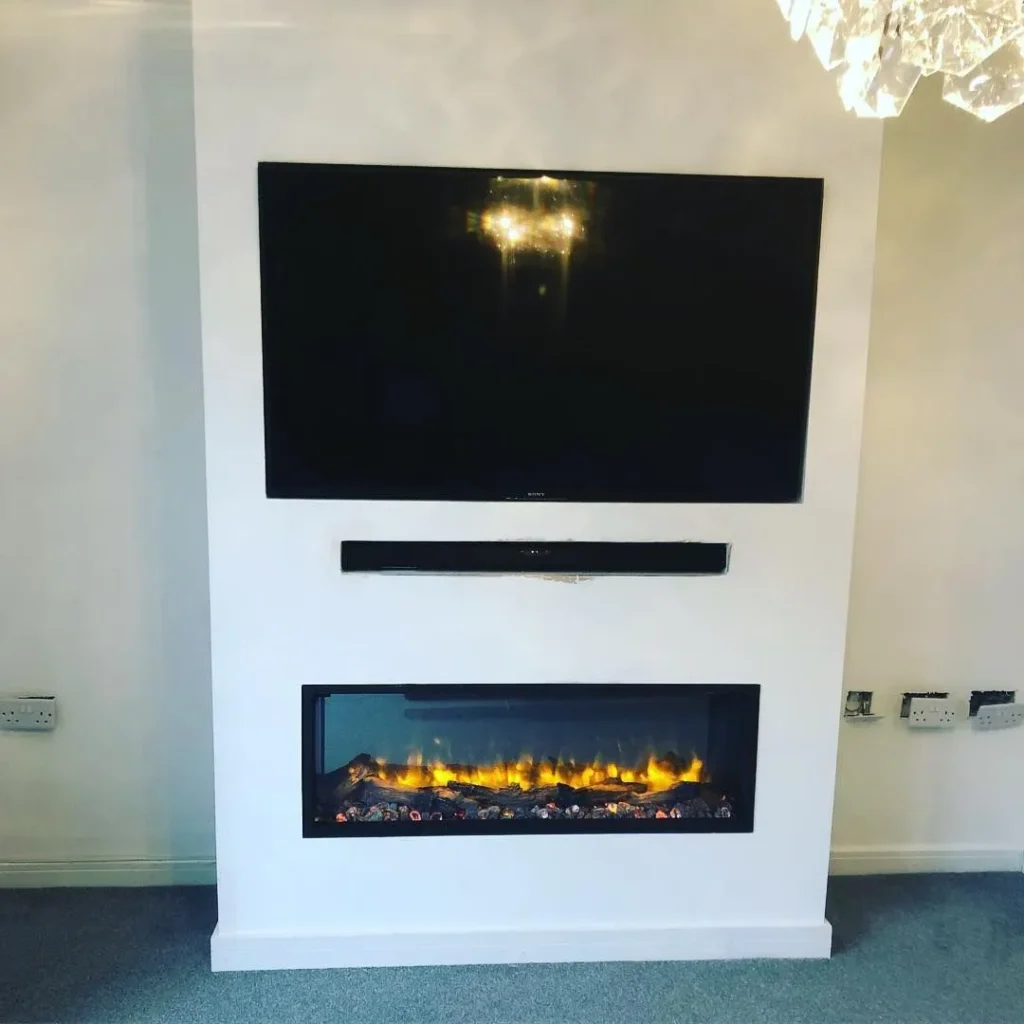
[394, 760]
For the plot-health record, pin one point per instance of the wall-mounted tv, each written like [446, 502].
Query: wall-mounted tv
[437, 333]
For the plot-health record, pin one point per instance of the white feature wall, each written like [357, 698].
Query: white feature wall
[699, 86]
[103, 595]
[938, 582]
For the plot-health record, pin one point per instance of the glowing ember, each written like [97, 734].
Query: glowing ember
[656, 776]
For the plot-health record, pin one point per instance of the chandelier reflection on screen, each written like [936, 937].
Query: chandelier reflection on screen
[535, 215]
[881, 49]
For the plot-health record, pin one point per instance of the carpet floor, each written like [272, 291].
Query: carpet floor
[925, 949]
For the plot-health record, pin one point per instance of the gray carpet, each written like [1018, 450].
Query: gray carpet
[938, 949]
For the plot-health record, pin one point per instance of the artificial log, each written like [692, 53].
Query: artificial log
[428, 798]
[507, 796]
[677, 794]
[370, 792]
[338, 784]
[359, 782]
[374, 791]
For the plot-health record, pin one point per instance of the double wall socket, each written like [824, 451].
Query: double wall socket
[999, 716]
[932, 713]
[28, 714]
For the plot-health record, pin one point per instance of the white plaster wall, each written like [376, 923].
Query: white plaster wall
[938, 583]
[103, 597]
[708, 86]
[102, 563]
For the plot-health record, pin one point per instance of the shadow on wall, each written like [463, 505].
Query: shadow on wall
[104, 581]
[163, 122]
[938, 568]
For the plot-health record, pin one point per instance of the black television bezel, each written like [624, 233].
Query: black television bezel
[338, 490]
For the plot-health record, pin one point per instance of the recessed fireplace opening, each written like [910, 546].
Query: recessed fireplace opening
[471, 760]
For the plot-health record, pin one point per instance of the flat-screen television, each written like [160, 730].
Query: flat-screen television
[441, 333]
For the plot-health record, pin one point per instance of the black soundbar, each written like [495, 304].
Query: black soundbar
[578, 558]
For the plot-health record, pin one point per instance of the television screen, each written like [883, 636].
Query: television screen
[460, 334]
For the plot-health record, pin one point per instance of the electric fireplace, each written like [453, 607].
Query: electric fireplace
[458, 760]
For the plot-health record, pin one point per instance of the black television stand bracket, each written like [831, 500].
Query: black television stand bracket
[549, 558]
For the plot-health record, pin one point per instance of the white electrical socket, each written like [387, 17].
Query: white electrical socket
[28, 714]
[932, 713]
[999, 716]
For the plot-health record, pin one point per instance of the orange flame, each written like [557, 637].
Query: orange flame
[525, 773]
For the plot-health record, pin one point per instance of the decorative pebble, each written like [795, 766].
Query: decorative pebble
[708, 807]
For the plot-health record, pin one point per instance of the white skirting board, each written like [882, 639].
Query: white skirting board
[846, 860]
[116, 872]
[245, 952]
[896, 860]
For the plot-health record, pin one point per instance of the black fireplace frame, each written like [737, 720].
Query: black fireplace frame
[744, 699]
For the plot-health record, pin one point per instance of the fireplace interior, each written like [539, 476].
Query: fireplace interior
[457, 760]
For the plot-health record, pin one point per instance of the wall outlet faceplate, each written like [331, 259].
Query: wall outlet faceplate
[999, 716]
[28, 714]
[932, 713]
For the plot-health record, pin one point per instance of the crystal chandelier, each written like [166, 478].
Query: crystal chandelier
[880, 49]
